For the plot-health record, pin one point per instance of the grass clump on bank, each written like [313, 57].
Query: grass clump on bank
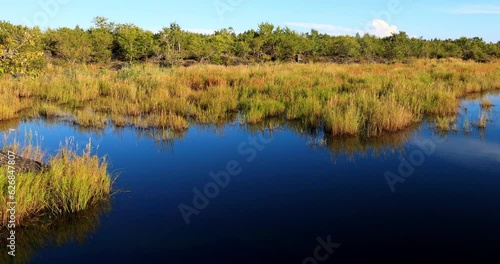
[345, 122]
[71, 183]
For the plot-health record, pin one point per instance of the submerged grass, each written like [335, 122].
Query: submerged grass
[486, 104]
[71, 184]
[483, 121]
[445, 124]
[342, 99]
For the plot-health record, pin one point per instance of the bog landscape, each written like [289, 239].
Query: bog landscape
[119, 139]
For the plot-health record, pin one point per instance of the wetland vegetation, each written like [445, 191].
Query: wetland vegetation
[162, 83]
[343, 100]
[73, 181]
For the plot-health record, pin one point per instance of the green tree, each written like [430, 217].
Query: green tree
[221, 46]
[345, 49]
[319, 44]
[473, 49]
[497, 49]
[22, 48]
[101, 37]
[371, 48]
[71, 45]
[397, 47]
[132, 43]
[290, 44]
[170, 43]
[418, 48]
[20, 52]
[266, 41]
[247, 46]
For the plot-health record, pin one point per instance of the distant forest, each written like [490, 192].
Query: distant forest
[26, 51]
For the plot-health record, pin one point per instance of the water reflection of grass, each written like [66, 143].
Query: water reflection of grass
[338, 145]
[388, 143]
[482, 122]
[5, 126]
[163, 138]
[367, 100]
[64, 229]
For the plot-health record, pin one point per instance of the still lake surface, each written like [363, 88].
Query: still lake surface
[292, 191]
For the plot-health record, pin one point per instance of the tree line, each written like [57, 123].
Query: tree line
[26, 50]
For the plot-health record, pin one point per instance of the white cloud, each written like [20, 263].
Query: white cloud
[476, 10]
[376, 27]
[329, 29]
[380, 28]
[201, 30]
[473, 153]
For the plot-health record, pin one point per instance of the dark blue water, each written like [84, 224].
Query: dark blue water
[288, 192]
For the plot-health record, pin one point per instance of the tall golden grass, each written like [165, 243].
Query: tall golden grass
[71, 184]
[343, 99]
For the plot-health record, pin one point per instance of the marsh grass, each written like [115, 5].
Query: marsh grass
[71, 184]
[164, 120]
[445, 124]
[486, 104]
[119, 121]
[88, 118]
[342, 122]
[467, 126]
[482, 122]
[7, 112]
[49, 110]
[344, 99]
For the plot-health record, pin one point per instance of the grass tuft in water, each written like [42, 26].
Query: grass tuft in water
[71, 184]
[486, 104]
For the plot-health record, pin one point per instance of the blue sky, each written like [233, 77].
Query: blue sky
[426, 18]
